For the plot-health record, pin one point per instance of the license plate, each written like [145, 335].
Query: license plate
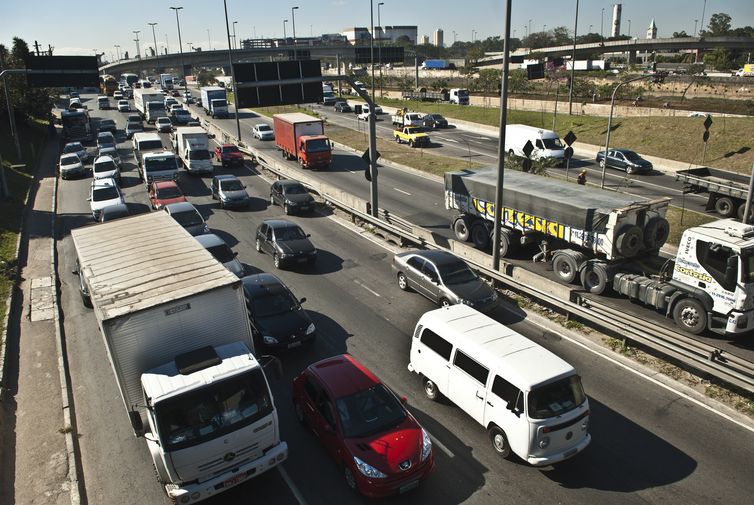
[294, 344]
[408, 487]
[235, 480]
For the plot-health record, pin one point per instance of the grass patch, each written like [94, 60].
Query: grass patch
[730, 146]
[681, 220]
[32, 137]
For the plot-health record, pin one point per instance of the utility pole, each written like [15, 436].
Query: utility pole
[156, 51]
[293, 22]
[117, 49]
[232, 71]
[284, 34]
[138, 53]
[235, 40]
[379, 43]
[180, 48]
[573, 59]
[371, 55]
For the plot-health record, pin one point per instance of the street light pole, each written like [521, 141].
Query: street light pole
[156, 51]
[701, 25]
[371, 54]
[232, 71]
[293, 22]
[602, 25]
[209, 40]
[117, 50]
[235, 40]
[379, 42]
[629, 28]
[284, 34]
[695, 22]
[138, 54]
[573, 59]
[180, 48]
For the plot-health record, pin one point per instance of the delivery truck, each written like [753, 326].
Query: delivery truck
[192, 146]
[301, 137]
[179, 343]
[214, 101]
[605, 239]
[727, 191]
[166, 81]
[150, 104]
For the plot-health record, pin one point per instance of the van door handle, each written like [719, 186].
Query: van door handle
[480, 397]
[702, 285]
[490, 404]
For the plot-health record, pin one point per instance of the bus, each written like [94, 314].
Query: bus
[107, 85]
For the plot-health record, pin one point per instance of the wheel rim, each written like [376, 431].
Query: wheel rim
[690, 316]
[287, 209]
[402, 281]
[429, 388]
[498, 442]
[444, 303]
[258, 245]
[564, 269]
[350, 479]
[272, 200]
[592, 279]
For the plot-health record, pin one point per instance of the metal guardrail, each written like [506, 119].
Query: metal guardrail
[705, 358]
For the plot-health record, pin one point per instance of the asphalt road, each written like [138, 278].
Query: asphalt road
[650, 445]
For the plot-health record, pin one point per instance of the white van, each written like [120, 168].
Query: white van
[530, 401]
[546, 143]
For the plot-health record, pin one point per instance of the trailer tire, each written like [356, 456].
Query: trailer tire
[594, 278]
[690, 316]
[656, 233]
[740, 212]
[461, 229]
[725, 206]
[565, 267]
[480, 236]
[630, 241]
[507, 244]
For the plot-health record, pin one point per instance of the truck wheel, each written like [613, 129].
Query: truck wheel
[480, 236]
[565, 267]
[690, 316]
[461, 229]
[507, 244]
[725, 207]
[499, 441]
[656, 233]
[410, 143]
[630, 241]
[594, 278]
[740, 212]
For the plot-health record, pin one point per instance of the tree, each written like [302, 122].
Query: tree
[681, 34]
[719, 59]
[205, 78]
[26, 101]
[561, 36]
[489, 79]
[719, 24]
[517, 81]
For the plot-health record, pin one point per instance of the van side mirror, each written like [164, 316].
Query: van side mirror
[136, 422]
[303, 300]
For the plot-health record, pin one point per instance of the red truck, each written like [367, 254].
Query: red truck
[302, 138]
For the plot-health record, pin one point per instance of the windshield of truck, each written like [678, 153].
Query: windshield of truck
[463, 93]
[103, 166]
[219, 103]
[155, 106]
[160, 164]
[456, 273]
[146, 145]
[552, 143]
[106, 193]
[370, 411]
[747, 266]
[222, 253]
[204, 414]
[231, 185]
[273, 303]
[557, 398]
[317, 146]
[187, 218]
[289, 233]
[201, 154]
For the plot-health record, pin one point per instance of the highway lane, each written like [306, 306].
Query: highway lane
[639, 455]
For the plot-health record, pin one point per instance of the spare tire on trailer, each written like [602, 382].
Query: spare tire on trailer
[480, 236]
[594, 277]
[461, 228]
[656, 233]
[630, 241]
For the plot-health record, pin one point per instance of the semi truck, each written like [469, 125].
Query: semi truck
[727, 190]
[150, 104]
[214, 101]
[435, 65]
[302, 137]
[77, 126]
[166, 81]
[192, 146]
[605, 240]
[459, 96]
[178, 339]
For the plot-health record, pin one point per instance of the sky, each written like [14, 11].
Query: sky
[76, 27]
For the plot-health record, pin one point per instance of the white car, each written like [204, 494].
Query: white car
[117, 95]
[263, 131]
[112, 152]
[163, 124]
[174, 107]
[70, 165]
[104, 167]
[103, 193]
[123, 106]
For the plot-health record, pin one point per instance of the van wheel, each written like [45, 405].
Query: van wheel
[430, 390]
[499, 441]
[444, 302]
[403, 282]
[86, 300]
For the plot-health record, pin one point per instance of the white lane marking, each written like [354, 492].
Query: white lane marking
[650, 379]
[447, 139]
[439, 444]
[401, 191]
[375, 293]
[296, 493]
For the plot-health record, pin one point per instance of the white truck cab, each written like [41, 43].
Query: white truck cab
[529, 400]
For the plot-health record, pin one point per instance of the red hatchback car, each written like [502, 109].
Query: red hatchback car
[164, 192]
[363, 425]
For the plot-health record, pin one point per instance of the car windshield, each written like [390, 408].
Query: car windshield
[317, 145]
[70, 160]
[289, 233]
[123, 102]
[231, 185]
[199, 415]
[222, 253]
[552, 143]
[105, 140]
[163, 120]
[73, 148]
[106, 193]
[188, 217]
[294, 190]
[160, 164]
[370, 411]
[630, 155]
[557, 398]
[181, 112]
[274, 303]
[263, 128]
[201, 154]
[230, 149]
[107, 122]
[103, 166]
[456, 273]
[169, 192]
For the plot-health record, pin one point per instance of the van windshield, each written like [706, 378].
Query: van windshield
[557, 398]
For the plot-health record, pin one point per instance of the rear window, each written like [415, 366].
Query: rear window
[144, 145]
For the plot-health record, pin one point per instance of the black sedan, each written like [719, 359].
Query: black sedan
[278, 321]
[342, 107]
[434, 121]
[291, 195]
[626, 160]
[286, 242]
[107, 125]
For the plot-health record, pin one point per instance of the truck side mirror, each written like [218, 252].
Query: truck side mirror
[136, 422]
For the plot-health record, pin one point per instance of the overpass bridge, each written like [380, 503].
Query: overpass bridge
[634, 46]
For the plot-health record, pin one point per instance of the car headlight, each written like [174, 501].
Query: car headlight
[544, 442]
[368, 469]
[467, 302]
[426, 445]
[310, 329]
[269, 340]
